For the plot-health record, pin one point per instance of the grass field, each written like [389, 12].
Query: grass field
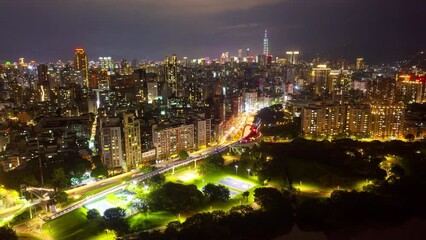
[74, 225]
[143, 221]
[189, 175]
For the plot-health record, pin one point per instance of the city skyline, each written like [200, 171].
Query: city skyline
[46, 31]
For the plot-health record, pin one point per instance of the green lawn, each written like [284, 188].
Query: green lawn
[190, 175]
[151, 220]
[74, 225]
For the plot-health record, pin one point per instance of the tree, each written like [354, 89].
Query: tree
[156, 181]
[115, 220]
[60, 197]
[7, 233]
[173, 229]
[175, 197]
[410, 137]
[216, 192]
[246, 194]
[183, 155]
[397, 171]
[141, 205]
[268, 198]
[99, 171]
[59, 180]
[93, 215]
[213, 163]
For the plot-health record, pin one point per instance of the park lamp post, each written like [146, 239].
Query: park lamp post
[248, 171]
[236, 169]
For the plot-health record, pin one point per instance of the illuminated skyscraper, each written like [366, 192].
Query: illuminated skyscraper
[82, 64]
[292, 57]
[111, 150]
[171, 74]
[132, 141]
[322, 80]
[359, 63]
[265, 44]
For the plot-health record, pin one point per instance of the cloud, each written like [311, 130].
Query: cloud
[196, 7]
[240, 26]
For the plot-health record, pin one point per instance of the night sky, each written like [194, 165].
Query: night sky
[48, 30]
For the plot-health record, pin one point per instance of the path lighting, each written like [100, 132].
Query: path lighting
[248, 171]
[236, 169]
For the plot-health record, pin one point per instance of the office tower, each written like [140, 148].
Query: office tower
[132, 140]
[321, 79]
[81, 64]
[266, 44]
[292, 57]
[248, 52]
[359, 64]
[240, 55]
[110, 139]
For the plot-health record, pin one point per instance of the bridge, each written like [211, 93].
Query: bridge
[137, 177]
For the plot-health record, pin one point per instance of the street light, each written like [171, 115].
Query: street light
[236, 169]
[248, 171]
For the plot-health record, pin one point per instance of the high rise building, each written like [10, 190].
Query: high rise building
[152, 89]
[202, 133]
[240, 55]
[169, 141]
[321, 79]
[42, 72]
[358, 120]
[171, 75]
[132, 140]
[266, 44]
[292, 57]
[111, 150]
[43, 82]
[387, 120]
[359, 64]
[312, 120]
[106, 63]
[81, 64]
[411, 88]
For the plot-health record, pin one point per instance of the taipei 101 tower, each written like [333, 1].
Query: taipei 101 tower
[265, 44]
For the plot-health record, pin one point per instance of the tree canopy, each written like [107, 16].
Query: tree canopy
[175, 197]
[216, 192]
